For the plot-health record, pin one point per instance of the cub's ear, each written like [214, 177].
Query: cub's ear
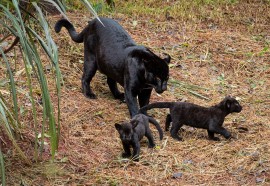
[228, 104]
[167, 58]
[134, 123]
[228, 96]
[118, 126]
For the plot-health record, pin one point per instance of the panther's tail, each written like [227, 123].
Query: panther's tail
[155, 105]
[153, 121]
[77, 37]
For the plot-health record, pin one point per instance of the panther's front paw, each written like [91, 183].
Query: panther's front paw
[90, 95]
[215, 139]
[135, 158]
[126, 155]
[121, 97]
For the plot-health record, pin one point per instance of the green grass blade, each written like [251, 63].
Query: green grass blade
[2, 165]
[12, 120]
[46, 99]
[51, 49]
[91, 9]
[12, 85]
[5, 124]
[19, 28]
[58, 6]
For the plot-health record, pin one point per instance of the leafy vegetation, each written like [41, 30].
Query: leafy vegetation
[26, 22]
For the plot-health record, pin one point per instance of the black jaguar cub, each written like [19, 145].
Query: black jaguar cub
[211, 118]
[131, 133]
[111, 50]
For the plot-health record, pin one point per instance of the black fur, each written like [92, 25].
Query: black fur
[111, 50]
[211, 118]
[131, 133]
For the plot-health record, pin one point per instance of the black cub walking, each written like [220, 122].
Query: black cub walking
[131, 133]
[212, 118]
[111, 50]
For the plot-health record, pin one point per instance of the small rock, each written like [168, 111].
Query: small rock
[259, 180]
[212, 26]
[48, 68]
[230, 49]
[177, 175]
[203, 57]
[4, 44]
[40, 101]
[10, 54]
[188, 162]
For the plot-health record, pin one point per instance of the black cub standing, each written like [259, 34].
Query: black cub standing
[211, 118]
[131, 133]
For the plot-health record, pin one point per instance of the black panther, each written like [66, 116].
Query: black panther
[132, 132]
[109, 49]
[211, 118]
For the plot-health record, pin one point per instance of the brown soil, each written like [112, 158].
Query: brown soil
[220, 59]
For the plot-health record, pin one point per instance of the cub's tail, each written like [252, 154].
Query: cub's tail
[153, 121]
[155, 105]
[77, 37]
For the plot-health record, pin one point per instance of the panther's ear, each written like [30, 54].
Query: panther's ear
[118, 126]
[134, 123]
[167, 58]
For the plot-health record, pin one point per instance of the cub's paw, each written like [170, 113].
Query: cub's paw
[178, 138]
[126, 155]
[228, 135]
[151, 145]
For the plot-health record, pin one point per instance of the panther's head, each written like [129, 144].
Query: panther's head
[157, 73]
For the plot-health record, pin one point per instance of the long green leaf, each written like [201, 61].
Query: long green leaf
[60, 8]
[51, 49]
[8, 130]
[91, 9]
[19, 29]
[2, 166]
[12, 85]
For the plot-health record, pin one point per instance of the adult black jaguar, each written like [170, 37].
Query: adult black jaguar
[109, 49]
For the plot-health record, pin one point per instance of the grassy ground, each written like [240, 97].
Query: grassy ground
[218, 48]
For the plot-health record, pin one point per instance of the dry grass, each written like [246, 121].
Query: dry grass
[219, 56]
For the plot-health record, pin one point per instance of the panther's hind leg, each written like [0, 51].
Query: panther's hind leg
[176, 125]
[89, 71]
[168, 122]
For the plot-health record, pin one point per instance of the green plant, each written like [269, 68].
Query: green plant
[26, 22]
